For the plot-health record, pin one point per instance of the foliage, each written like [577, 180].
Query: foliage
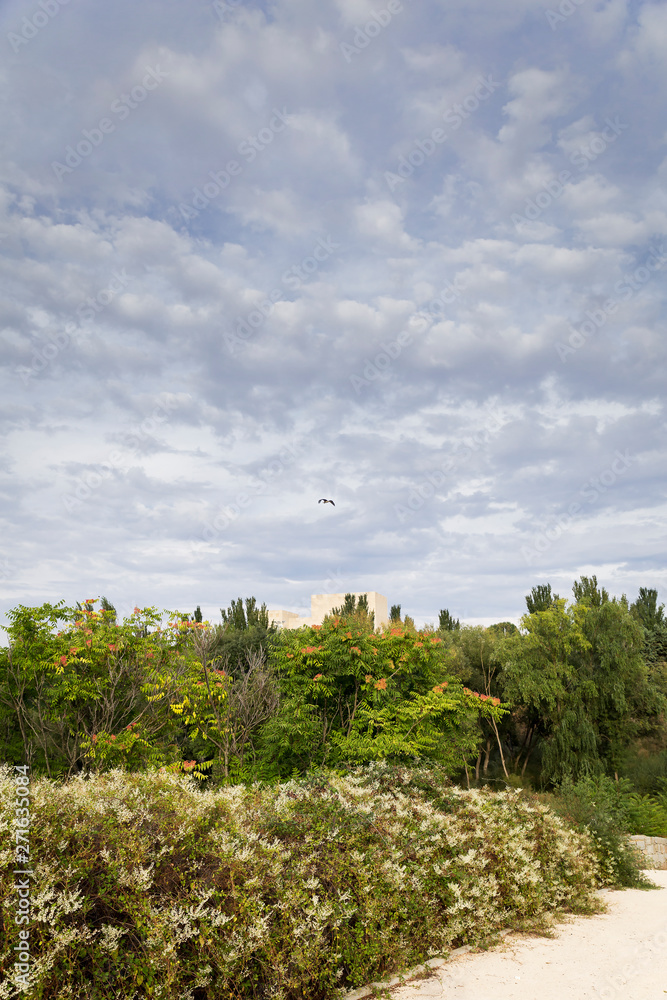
[129, 749]
[446, 621]
[353, 695]
[586, 591]
[355, 611]
[84, 679]
[540, 598]
[395, 613]
[151, 887]
[646, 609]
[580, 677]
[503, 628]
[601, 806]
[240, 619]
[648, 814]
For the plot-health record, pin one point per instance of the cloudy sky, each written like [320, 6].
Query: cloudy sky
[407, 256]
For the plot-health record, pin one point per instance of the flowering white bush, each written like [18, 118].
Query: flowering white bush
[302, 889]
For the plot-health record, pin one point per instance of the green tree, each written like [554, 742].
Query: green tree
[646, 610]
[354, 610]
[72, 672]
[478, 648]
[349, 696]
[236, 618]
[580, 679]
[586, 591]
[446, 622]
[540, 598]
[198, 615]
[503, 628]
[395, 613]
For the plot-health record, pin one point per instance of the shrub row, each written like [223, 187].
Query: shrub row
[147, 886]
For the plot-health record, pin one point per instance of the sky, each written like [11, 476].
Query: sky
[410, 257]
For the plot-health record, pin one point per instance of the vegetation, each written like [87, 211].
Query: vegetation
[253, 812]
[306, 889]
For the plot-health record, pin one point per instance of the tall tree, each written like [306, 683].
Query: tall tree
[395, 613]
[579, 675]
[586, 591]
[355, 610]
[240, 619]
[447, 622]
[646, 610]
[540, 598]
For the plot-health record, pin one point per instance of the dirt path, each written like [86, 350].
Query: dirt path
[619, 955]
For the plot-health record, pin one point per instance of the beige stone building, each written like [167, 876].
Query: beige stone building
[322, 604]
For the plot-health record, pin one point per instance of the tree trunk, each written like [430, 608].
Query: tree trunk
[487, 754]
[500, 747]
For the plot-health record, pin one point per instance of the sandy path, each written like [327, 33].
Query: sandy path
[619, 955]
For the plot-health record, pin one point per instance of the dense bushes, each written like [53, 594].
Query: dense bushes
[603, 808]
[147, 886]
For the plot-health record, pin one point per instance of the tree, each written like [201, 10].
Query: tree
[64, 687]
[579, 678]
[354, 610]
[447, 623]
[235, 618]
[198, 615]
[106, 605]
[646, 610]
[540, 598]
[395, 613]
[503, 628]
[350, 696]
[586, 591]
[478, 648]
[221, 710]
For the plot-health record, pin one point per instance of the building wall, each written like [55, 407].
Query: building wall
[322, 604]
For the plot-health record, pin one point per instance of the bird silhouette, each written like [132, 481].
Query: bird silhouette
[327, 501]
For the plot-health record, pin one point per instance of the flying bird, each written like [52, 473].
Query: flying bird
[327, 501]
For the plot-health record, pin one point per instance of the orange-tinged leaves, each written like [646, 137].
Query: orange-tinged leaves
[381, 684]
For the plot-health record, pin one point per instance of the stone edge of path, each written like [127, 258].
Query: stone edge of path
[403, 978]
[431, 964]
